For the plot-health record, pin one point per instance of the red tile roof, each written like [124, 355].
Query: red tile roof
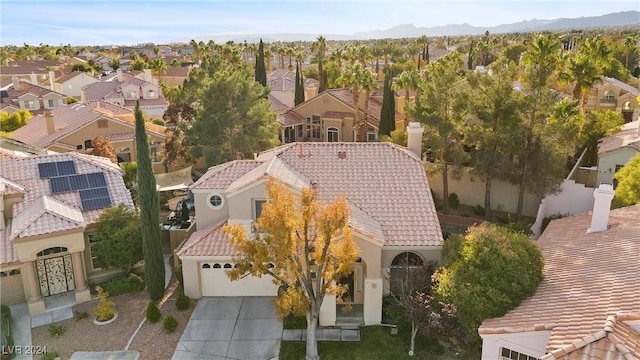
[209, 242]
[393, 210]
[41, 212]
[628, 136]
[587, 277]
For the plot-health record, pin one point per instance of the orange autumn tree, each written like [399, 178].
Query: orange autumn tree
[309, 242]
[101, 146]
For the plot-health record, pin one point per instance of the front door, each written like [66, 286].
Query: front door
[354, 285]
[55, 275]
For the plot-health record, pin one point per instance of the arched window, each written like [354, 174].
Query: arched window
[402, 268]
[627, 106]
[609, 97]
[333, 134]
[206, 266]
[216, 266]
[227, 266]
[52, 250]
[407, 259]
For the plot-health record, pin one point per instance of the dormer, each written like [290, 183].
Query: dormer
[150, 91]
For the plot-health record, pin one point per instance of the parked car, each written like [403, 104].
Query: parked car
[6, 335]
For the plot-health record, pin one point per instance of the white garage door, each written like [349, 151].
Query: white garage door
[216, 283]
[11, 287]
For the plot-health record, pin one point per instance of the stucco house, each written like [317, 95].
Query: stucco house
[49, 205]
[615, 95]
[588, 305]
[73, 127]
[125, 90]
[393, 216]
[71, 83]
[30, 96]
[283, 85]
[330, 117]
[614, 151]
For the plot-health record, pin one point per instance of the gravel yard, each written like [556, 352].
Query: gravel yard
[152, 342]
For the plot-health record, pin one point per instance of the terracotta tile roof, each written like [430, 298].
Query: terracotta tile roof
[41, 212]
[281, 84]
[8, 187]
[617, 340]
[336, 115]
[375, 106]
[587, 277]
[45, 216]
[221, 176]
[108, 107]
[120, 136]
[28, 88]
[290, 117]
[628, 136]
[626, 88]
[394, 210]
[69, 76]
[111, 90]
[67, 120]
[209, 242]
[276, 105]
[181, 71]
[147, 102]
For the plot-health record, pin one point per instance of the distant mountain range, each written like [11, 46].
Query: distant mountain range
[626, 18]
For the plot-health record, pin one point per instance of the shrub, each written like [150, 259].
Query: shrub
[50, 356]
[158, 122]
[479, 210]
[293, 321]
[153, 313]
[182, 301]
[105, 309]
[170, 324]
[79, 315]
[124, 284]
[454, 201]
[56, 330]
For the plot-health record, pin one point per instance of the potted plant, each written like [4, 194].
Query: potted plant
[105, 311]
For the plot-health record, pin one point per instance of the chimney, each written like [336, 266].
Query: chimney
[48, 121]
[120, 78]
[414, 138]
[147, 75]
[16, 83]
[52, 80]
[601, 207]
[34, 78]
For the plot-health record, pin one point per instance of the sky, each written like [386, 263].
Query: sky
[102, 22]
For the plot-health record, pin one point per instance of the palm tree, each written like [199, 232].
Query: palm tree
[369, 82]
[629, 43]
[320, 48]
[158, 66]
[408, 80]
[583, 73]
[351, 78]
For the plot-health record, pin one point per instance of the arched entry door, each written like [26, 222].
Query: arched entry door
[355, 284]
[55, 271]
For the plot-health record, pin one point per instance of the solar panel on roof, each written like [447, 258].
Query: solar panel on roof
[79, 182]
[94, 193]
[66, 167]
[59, 184]
[92, 204]
[96, 180]
[47, 170]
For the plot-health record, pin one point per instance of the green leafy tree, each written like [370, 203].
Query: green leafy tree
[583, 73]
[598, 123]
[306, 246]
[628, 188]
[495, 105]
[118, 238]
[261, 72]
[158, 66]
[149, 213]
[440, 106]
[388, 111]
[15, 120]
[488, 272]
[233, 119]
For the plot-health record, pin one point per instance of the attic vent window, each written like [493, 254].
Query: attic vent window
[342, 155]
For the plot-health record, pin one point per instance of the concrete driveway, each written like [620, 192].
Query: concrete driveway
[240, 328]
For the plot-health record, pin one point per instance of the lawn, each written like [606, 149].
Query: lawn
[375, 343]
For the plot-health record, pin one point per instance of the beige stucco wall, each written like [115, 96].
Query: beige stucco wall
[532, 343]
[91, 130]
[323, 103]
[191, 275]
[607, 163]
[29, 97]
[206, 216]
[597, 94]
[470, 190]
[28, 248]
[241, 206]
[72, 86]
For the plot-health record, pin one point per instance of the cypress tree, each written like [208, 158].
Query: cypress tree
[261, 72]
[299, 93]
[149, 213]
[387, 113]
